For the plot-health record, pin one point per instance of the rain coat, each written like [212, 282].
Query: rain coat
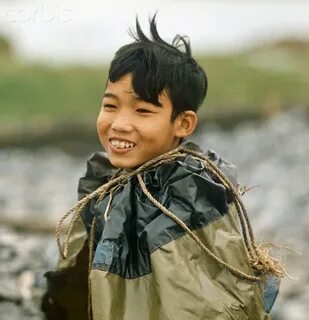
[145, 266]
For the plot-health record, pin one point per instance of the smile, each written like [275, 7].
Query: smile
[121, 146]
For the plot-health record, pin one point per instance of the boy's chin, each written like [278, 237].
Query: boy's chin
[125, 164]
[129, 162]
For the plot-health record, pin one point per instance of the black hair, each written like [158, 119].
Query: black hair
[156, 65]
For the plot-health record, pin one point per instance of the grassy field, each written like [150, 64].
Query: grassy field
[259, 82]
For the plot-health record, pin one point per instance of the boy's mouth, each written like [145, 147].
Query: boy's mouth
[120, 145]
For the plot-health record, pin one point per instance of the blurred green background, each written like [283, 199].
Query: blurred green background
[42, 102]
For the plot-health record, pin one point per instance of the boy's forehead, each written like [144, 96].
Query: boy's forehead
[123, 88]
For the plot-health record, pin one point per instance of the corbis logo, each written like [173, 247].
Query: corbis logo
[33, 12]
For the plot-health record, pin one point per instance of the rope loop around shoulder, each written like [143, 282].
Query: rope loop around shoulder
[259, 258]
[172, 216]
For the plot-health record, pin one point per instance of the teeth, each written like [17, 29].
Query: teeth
[122, 144]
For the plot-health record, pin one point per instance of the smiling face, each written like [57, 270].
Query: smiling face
[133, 131]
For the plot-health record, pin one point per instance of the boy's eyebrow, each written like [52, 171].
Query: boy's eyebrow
[110, 95]
[135, 96]
[138, 98]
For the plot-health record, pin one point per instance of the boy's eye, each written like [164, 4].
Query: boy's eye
[109, 107]
[141, 110]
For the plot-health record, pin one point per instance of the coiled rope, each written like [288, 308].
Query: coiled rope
[260, 260]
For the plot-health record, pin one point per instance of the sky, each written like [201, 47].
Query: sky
[89, 32]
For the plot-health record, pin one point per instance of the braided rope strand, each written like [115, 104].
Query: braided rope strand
[259, 258]
[238, 208]
[171, 215]
[91, 249]
[262, 262]
[101, 192]
[241, 211]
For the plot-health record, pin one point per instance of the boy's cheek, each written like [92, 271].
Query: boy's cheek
[102, 125]
[99, 124]
[101, 130]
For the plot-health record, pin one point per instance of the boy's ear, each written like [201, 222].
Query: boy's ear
[185, 123]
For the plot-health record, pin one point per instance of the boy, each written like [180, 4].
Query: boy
[155, 234]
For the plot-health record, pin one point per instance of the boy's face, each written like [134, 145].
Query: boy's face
[131, 130]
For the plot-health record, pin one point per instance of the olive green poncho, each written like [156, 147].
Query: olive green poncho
[145, 265]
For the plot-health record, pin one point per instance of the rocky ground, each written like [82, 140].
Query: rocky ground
[273, 157]
[24, 257]
[36, 187]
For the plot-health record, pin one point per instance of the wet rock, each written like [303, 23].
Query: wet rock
[10, 311]
[9, 290]
[24, 258]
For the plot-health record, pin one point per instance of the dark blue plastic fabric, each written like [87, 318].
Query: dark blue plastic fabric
[271, 290]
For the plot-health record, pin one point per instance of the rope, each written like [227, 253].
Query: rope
[218, 173]
[108, 206]
[91, 245]
[259, 258]
[193, 235]
[101, 191]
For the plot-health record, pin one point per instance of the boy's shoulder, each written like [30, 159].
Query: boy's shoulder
[228, 168]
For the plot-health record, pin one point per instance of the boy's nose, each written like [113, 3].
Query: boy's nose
[121, 124]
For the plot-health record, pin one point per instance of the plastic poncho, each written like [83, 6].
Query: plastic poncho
[145, 266]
